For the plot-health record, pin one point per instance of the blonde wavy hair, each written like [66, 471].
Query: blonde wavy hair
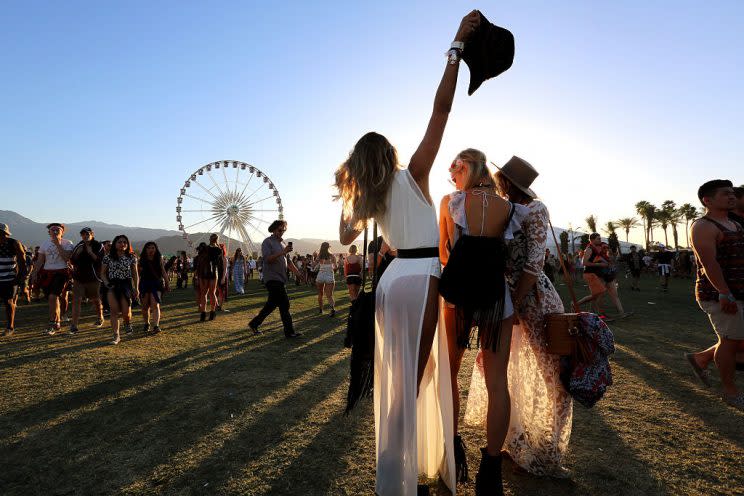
[364, 179]
[478, 173]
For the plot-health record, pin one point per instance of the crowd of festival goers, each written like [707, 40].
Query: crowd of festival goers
[112, 278]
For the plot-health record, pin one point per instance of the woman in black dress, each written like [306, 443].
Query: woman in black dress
[153, 282]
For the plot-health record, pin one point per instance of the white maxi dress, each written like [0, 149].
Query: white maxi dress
[414, 434]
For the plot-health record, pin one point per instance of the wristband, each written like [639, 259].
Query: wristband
[458, 45]
[453, 56]
[730, 297]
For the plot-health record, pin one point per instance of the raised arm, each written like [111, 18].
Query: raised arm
[423, 159]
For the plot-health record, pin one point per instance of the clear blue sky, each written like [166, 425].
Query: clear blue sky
[109, 106]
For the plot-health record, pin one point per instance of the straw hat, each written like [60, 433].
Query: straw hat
[4, 228]
[520, 173]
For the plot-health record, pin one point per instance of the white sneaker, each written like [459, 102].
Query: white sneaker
[117, 339]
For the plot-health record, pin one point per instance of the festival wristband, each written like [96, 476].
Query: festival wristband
[730, 297]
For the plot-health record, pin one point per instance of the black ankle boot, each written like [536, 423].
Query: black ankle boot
[211, 315]
[488, 479]
[461, 460]
[203, 316]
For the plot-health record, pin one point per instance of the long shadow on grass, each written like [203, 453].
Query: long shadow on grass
[688, 400]
[46, 410]
[327, 456]
[602, 463]
[95, 452]
[264, 432]
[56, 352]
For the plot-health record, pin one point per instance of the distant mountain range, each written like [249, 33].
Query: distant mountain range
[33, 233]
[169, 241]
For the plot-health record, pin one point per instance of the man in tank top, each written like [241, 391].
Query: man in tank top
[12, 270]
[718, 243]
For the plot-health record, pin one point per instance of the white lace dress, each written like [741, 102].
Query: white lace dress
[541, 409]
[414, 434]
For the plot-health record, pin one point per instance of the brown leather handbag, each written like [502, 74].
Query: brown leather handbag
[562, 329]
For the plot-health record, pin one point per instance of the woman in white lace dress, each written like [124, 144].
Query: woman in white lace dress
[412, 397]
[541, 409]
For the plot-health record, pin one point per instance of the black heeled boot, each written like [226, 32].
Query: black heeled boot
[488, 479]
[461, 460]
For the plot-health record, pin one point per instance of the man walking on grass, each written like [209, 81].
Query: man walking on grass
[635, 265]
[13, 269]
[275, 265]
[86, 266]
[718, 243]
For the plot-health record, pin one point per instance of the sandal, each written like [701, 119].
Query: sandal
[702, 374]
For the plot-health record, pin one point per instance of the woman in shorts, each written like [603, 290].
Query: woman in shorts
[119, 274]
[353, 272]
[325, 281]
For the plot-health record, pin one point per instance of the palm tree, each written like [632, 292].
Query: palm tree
[646, 210]
[662, 217]
[672, 215]
[591, 223]
[612, 240]
[627, 224]
[688, 212]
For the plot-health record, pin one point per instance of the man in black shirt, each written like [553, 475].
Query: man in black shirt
[664, 260]
[86, 283]
[635, 264]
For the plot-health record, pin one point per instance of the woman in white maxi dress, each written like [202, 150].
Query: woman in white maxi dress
[412, 394]
[418, 428]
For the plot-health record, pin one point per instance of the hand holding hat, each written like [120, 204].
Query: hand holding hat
[468, 25]
[489, 51]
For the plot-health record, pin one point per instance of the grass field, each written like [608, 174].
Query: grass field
[206, 408]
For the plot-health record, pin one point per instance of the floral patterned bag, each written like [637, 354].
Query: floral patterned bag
[587, 378]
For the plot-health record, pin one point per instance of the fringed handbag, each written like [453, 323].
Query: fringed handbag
[360, 334]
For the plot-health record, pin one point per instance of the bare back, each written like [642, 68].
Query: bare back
[487, 213]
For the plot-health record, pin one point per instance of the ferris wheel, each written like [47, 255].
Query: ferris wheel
[231, 198]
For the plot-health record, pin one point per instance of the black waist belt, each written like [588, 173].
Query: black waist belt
[432, 252]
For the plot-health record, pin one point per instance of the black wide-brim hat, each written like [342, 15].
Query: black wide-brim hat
[488, 52]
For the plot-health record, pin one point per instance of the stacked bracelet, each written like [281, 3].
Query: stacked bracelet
[454, 54]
